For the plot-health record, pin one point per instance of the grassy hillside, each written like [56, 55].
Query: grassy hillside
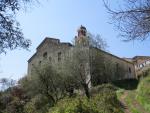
[143, 93]
[125, 96]
[135, 95]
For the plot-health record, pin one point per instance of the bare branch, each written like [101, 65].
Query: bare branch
[133, 19]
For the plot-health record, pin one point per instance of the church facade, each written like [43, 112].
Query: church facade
[53, 51]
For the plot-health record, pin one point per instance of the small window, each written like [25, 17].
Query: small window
[32, 65]
[45, 55]
[40, 62]
[117, 68]
[129, 70]
[59, 56]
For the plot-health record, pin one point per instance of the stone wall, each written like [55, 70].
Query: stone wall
[126, 67]
[55, 52]
[49, 51]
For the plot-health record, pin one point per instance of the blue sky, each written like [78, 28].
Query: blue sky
[60, 19]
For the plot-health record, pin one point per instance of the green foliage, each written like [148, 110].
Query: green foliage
[103, 102]
[103, 88]
[10, 33]
[29, 85]
[132, 103]
[15, 106]
[12, 100]
[5, 98]
[120, 92]
[138, 101]
[38, 104]
[144, 92]
[49, 83]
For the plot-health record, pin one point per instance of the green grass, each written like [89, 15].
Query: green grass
[129, 100]
[143, 95]
[137, 98]
[120, 92]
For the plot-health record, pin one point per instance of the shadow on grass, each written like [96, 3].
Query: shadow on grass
[127, 84]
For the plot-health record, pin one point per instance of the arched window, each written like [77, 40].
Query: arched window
[45, 55]
[129, 70]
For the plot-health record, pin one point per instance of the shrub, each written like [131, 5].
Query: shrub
[72, 105]
[103, 88]
[38, 104]
[15, 106]
[104, 101]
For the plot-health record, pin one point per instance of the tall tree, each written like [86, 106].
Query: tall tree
[132, 18]
[11, 36]
[79, 64]
[48, 82]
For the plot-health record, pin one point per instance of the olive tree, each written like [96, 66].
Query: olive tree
[79, 64]
[11, 36]
[49, 82]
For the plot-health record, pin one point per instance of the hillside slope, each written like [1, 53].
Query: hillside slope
[136, 99]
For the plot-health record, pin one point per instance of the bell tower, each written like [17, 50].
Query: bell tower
[81, 38]
[82, 32]
[82, 44]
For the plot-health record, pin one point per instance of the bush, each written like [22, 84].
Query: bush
[15, 106]
[72, 105]
[103, 102]
[38, 104]
[102, 88]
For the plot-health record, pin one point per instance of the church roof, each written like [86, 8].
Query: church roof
[114, 56]
[141, 57]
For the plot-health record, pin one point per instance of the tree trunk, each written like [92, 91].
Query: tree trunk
[86, 89]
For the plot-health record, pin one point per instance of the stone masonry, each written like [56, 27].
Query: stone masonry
[53, 51]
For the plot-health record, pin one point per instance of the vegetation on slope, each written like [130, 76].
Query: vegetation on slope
[143, 93]
[135, 96]
[30, 97]
[50, 91]
[103, 100]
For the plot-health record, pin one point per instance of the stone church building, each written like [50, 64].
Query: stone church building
[53, 51]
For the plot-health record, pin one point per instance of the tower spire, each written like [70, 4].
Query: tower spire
[82, 31]
[81, 38]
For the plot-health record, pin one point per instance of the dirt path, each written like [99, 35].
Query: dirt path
[135, 104]
[139, 107]
[122, 100]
